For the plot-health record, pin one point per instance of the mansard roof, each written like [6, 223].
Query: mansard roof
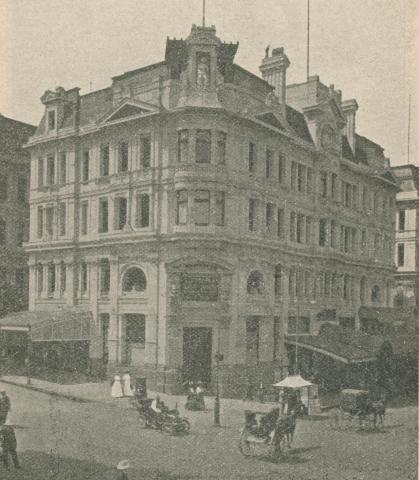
[94, 105]
[298, 123]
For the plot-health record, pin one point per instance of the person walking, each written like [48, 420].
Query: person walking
[116, 390]
[126, 385]
[9, 444]
[4, 407]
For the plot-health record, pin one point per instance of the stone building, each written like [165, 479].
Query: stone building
[14, 204]
[193, 208]
[407, 238]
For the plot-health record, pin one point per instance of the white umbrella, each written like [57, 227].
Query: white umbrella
[293, 381]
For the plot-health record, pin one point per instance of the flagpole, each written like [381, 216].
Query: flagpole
[308, 39]
[203, 13]
[408, 133]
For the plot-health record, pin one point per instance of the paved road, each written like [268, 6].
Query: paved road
[60, 439]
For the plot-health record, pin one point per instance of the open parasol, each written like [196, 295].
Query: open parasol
[293, 381]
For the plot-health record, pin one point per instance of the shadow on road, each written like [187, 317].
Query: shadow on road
[41, 466]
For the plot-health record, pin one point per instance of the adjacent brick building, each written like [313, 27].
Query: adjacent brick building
[193, 207]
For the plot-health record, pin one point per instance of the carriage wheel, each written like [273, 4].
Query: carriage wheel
[186, 425]
[244, 446]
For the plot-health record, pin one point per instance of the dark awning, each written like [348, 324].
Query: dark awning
[57, 325]
[350, 346]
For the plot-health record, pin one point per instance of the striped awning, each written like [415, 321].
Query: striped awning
[44, 326]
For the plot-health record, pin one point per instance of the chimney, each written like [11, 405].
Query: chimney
[274, 71]
[349, 108]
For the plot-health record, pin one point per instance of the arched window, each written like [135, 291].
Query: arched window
[134, 281]
[255, 283]
[278, 281]
[375, 294]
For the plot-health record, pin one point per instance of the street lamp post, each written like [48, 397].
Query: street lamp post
[28, 357]
[218, 359]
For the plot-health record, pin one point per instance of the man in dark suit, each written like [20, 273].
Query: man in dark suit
[8, 446]
[4, 407]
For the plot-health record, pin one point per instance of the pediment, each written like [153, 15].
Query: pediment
[128, 109]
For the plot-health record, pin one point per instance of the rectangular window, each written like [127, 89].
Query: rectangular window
[252, 340]
[252, 157]
[354, 197]
[84, 212]
[347, 240]
[123, 157]
[323, 184]
[281, 168]
[402, 220]
[309, 185]
[221, 148]
[51, 279]
[49, 221]
[20, 233]
[121, 209]
[269, 163]
[22, 189]
[270, 217]
[104, 161]
[3, 187]
[354, 239]
[62, 218]
[145, 152]
[62, 168]
[63, 277]
[143, 210]
[103, 215]
[322, 232]
[308, 230]
[203, 146]
[201, 207]
[51, 120]
[301, 178]
[334, 186]
[85, 166]
[333, 234]
[40, 172]
[293, 225]
[293, 176]
[300, 228]
[181, 207]
[105, 276]
[252, 215]
[277, 339]
[364, 199]
[50, 170]
[400, 254]
[135, 330]
[280, 223]
[40, 222]
[83, 277]
[219, 213]
[363, 239]
[39, 279]
[183, 146]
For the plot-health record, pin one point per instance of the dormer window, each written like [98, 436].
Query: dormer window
[51, 120]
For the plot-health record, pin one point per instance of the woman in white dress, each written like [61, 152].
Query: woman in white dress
[126, 385]
[116, 390]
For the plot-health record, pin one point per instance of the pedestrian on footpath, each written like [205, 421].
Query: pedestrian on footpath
[126, 385]
[122, 468]
[116, 390]
[4, 407]
[8, 445]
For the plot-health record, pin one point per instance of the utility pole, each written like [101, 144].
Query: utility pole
[218, 358]
[308, 39]
[28, 356]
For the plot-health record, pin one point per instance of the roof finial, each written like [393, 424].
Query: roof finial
[203, 13]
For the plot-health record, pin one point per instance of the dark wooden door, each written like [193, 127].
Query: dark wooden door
[197, 352]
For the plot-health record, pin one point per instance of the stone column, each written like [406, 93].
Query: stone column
[32, 284]
[71, 280]
[45, 276]
[57, 290]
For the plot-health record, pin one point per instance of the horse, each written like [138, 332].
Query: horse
[286, 426]
[376, 409]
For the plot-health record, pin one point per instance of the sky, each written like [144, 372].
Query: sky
[369, 49]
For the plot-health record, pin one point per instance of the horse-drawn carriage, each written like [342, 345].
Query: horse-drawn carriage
[360, 405]
[266, 434]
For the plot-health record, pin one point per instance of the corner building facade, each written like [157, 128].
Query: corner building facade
[196, 208]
